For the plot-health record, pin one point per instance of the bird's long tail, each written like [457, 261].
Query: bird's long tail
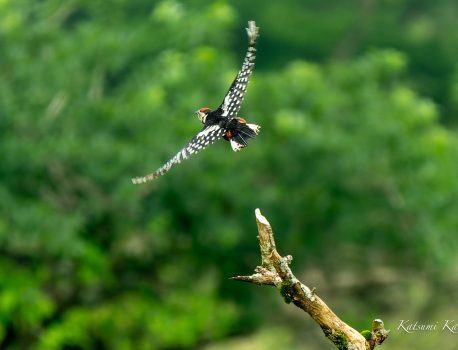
[242, 133]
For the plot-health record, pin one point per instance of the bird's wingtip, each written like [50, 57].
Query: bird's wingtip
[252, 31]
[135, 181]
[141, 180]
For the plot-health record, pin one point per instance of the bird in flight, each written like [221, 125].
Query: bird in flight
[224, 121]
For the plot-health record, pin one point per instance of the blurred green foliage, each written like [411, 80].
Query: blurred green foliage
[352, 167]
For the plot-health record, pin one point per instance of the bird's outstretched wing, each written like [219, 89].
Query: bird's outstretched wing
[205, 137]
[234, 97]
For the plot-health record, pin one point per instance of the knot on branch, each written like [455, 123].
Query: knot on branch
[288, 259]
[379, 333]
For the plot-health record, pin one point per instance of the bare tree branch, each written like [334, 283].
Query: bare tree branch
[275, 270]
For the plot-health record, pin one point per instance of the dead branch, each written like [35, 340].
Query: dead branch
[275, 270]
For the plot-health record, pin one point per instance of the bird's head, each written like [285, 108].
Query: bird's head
[202, 114]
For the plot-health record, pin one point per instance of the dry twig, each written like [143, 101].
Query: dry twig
[275, 270]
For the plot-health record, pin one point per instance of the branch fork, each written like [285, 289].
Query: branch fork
[275, 271]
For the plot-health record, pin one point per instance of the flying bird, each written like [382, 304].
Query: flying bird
[224, 121]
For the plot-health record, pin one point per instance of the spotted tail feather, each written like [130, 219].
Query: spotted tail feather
[242, 134]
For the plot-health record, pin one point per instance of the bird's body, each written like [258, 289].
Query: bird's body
[224, 121]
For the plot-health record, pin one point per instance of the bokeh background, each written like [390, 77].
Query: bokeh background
[356, 168]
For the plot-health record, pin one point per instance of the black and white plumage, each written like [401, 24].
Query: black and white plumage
[222, 122]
